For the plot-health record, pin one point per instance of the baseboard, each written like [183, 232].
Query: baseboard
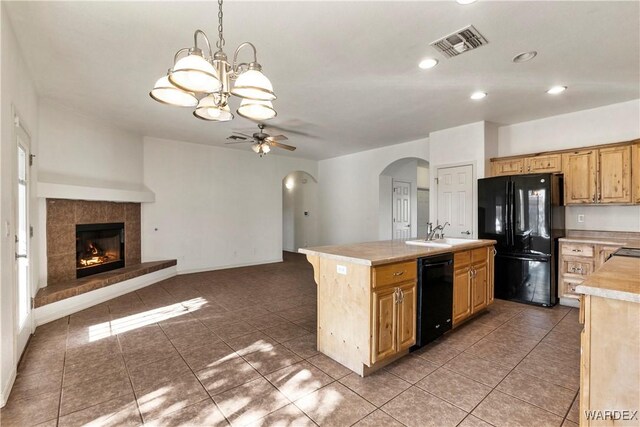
[224, 267]
[570, 302]
[6, 389]
[50, 312]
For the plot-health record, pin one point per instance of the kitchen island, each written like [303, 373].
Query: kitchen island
[367, 296]
[610, 344]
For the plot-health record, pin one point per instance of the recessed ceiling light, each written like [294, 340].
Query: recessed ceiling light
[478, 95]
[556, 90]
[465, 1]
[524, 56]
[427, 63]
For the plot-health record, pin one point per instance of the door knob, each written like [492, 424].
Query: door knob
[21, 256]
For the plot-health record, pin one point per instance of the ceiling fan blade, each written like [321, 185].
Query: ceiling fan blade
[292, 131]
[278, 138]
[243, 134]
[236, 142]
[285, 146]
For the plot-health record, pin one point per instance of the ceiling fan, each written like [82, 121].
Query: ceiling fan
[262, 142]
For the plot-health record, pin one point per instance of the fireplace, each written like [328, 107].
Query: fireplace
[99, 248]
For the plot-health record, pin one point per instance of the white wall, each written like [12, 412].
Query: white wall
[215, 207]
[299, 230]
[609, 124]
[349, 191]
[17, 90]
[80, 149]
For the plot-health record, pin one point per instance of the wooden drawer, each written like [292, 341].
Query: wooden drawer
[390, 274]
[569, 284]
[577, 249]
[577, 266]
[461, 259]
[478, 255]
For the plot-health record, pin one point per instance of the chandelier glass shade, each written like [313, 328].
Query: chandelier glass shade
[163, 91]
[202, 79]
[256, 110]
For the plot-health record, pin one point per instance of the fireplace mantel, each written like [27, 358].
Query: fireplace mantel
[51, 190]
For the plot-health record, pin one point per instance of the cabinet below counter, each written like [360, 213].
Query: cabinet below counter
[367, 296]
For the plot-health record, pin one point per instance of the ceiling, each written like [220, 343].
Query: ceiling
[345, 72]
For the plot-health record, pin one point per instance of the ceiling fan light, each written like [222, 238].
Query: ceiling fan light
[163, 91]
[265, 148]
[256, 147]
[252, 84]
[208, 110]
[195, 74]
[256, 110]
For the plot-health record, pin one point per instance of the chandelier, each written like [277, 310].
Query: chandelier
[201, 80]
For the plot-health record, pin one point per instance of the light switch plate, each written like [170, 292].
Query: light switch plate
[341, 269]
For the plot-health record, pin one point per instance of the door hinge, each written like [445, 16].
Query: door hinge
[436, 180]
[31, 231]
[31, 157]
[33, 303]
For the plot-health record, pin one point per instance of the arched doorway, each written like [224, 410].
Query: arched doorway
[299, 211]
[404, 199]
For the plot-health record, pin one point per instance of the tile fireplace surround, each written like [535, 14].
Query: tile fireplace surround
[62, 217]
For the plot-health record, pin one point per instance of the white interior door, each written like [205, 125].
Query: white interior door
[401, 210]
[24, 321]
[455, 200]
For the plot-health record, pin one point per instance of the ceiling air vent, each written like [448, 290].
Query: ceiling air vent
[459, 42]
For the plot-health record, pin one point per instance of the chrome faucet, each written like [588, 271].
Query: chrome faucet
[438, 230]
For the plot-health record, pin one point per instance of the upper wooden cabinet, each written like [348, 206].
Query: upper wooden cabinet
[580, 176]
[602, 174]
[614, 175]
[507, 167]
[635, 171]
[543, 164]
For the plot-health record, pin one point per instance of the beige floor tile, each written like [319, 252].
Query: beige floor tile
[31, 411]
[287, 416]
[541, 393]
[567, 423]
[378, 419]
[329, 366]
[461, 391]
[574, 412]
[286, 332]
[500, 409]
[27, 386]
[268, 361]
[481, 370]
[417, 408]
[563, 339]
[226, 375]
[88, 393]
[255, 341]
[305, 346]
[267, 321]
[250, 402]
[161, 371]
[93, 368]
[233, 330]
[163, 399]
[298, 380]
[438, 352]
[204, 413]
[555, 373]
[208, 355]
[121, 411]
[378, 388]
[472, 421]
[523, 329]
[411, 368]
[334, 405]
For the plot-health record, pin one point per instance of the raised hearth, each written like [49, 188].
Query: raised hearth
[71, 288]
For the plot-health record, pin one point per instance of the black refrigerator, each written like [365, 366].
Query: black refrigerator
[525, 215]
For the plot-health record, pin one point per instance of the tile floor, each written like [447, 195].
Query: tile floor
[238, 346]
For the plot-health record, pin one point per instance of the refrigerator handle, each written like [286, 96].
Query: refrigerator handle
[507, 206]
[512, 209]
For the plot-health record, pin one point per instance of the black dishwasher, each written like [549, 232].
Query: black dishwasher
[435, 298]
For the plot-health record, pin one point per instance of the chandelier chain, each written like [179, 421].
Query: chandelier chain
[221, 41]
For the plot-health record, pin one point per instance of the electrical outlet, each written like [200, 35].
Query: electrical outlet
[580, 217]
[341, 269]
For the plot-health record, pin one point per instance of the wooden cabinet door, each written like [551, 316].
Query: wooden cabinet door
[579, 168]
[547, 164]
[614, 171]
[407, 316]
[507, 167]
[635, 171]
[491, 257]
[479, 287]
[384, 323]
[461, 295]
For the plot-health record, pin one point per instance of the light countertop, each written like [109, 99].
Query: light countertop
[633, 243]
[386, 251]
[618, 278]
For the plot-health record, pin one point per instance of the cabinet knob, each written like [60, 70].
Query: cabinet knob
[398, 273]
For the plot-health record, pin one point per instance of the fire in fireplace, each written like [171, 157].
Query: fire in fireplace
[99, 248]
